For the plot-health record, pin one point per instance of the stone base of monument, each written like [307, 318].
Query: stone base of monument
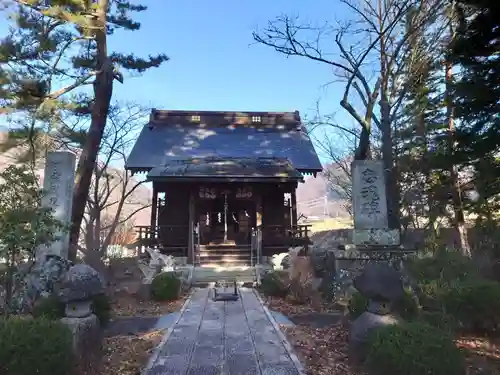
[225, 291]
[87, 342]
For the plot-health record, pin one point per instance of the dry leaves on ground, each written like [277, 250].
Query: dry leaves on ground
[288, 308]
[322, 350]
[129, 305]
[325, 350]
[128, 355]
[483, 355]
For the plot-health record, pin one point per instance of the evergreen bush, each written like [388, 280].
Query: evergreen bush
[165, 287]
[35, 346]
[413, 349]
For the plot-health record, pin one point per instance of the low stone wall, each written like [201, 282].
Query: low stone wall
[412, 238]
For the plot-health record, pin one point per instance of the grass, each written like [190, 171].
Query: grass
[330, 224]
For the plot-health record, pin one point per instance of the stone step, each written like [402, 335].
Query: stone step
[214, 273]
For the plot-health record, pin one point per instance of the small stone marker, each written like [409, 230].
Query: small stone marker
[58, 184]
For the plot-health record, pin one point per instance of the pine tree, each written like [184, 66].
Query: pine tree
[54, 51]
[476, 50]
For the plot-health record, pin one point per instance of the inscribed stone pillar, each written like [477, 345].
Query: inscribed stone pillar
[58, 185]
[369, 196]
[370, 205]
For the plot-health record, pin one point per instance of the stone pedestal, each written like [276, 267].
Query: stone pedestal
[87, 342]
[144, 292]
[360, 330]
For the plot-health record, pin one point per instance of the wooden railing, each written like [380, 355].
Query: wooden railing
[163, 236]
[176, 237]
[285, 236]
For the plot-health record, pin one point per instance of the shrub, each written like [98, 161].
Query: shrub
[413, 349]
[475, 303]
[101, 307]
[430, 293]
[440, 320]
[407, 307]
[165, 287]
[35, 346]
[275, 284]
[49, 308]
[444, 265]
[53, 309]
[357, 305]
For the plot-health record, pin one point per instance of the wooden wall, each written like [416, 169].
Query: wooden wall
[173, 216]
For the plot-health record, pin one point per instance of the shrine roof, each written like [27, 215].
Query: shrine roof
[177, 135]
[237, 169]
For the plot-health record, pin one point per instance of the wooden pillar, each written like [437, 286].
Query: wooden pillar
[154, 207]
[258, 211]
[294, 207]
[191, 213]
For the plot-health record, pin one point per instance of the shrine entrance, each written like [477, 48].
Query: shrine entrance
[225, 216]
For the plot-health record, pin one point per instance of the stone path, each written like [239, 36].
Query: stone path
[231, 338]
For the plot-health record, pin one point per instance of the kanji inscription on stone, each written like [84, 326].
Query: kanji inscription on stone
[369, 194]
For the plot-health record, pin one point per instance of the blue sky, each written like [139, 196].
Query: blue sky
[216, 65]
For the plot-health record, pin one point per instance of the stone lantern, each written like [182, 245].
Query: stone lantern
[78, 288]
[382, 285]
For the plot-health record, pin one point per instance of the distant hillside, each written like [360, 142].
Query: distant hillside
[314, 198]
[140, 197]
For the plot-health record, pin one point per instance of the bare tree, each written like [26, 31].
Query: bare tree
[112, 202]
[370, 54]
[337, 144]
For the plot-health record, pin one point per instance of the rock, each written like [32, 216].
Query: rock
[361, 328]
[277, 261]
[380, 282]
[39, 279]
[293, 253]
[318, 261]
[80, 284]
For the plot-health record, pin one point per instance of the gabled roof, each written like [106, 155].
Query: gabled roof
[179, 135]
[224, 169]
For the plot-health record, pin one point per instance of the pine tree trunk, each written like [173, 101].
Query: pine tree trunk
[458, 209]
[103, 91]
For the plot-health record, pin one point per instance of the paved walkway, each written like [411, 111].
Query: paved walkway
[231, 338]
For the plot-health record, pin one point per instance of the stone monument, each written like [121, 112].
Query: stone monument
[370, 205]
[58, 185]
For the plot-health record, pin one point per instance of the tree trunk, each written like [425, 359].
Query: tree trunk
[94, 258]
[456, 194]
[391, 182]
[103, 91]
